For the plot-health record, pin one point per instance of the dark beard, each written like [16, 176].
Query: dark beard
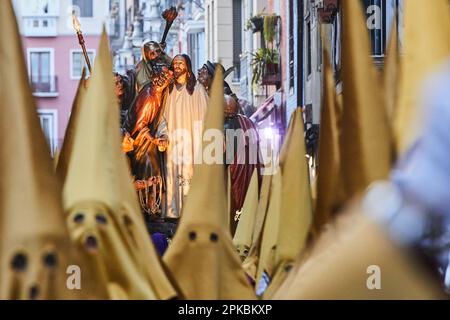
[179, 73]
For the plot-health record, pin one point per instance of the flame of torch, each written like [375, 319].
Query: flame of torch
[77, 27]
[76, 23]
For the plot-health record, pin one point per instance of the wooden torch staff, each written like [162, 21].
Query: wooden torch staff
[77, 27]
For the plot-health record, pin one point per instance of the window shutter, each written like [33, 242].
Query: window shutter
[237, 38]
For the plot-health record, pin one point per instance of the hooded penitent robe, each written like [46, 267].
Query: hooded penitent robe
[202, 257]
[103, 212]
[37, 259]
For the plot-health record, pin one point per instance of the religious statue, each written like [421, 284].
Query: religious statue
[153, 60]
[242, 156]
[185, 109]
[145, 138]
[141, 93]
[206, 76]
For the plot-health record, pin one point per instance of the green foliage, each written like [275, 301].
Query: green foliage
[250, 23]
[270, 23]
[261, 58]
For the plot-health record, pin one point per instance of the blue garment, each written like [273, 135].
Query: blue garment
[160, 242]
[423, 174]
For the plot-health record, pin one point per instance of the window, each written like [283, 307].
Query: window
[291, 47]
[300, 59]
[376, 24]
[208, 28]
[41, 70]
[237, 38]
[77, 63]
[336, 36]
[49, 125]
[194, 49]
[85, 7]
[308, 46]
[319, 50]
[211, 31]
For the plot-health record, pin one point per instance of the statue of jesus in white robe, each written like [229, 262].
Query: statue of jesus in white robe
[185, 110]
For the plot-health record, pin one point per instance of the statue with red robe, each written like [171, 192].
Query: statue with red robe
[242, 140]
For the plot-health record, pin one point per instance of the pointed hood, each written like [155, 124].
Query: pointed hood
[202, 257]
[244, 232]
[102, 208]
[269, 236]
[426, 46]
[250, 263]
[391, 75]
[296, 207]
[351, 263]
[35, 245]
[365, 141]
[228, 196]
[64, 155]
[328, 178]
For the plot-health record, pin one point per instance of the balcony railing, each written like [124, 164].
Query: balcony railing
[44, 86]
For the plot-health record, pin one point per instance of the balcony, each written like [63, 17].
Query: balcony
[40, 26]
[45, 86]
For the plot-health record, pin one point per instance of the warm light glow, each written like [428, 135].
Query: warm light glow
[76, 23]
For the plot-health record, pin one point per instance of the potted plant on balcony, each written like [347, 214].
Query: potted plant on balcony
[256, 23]
[270, 26]
[265, 66]
[271, 75]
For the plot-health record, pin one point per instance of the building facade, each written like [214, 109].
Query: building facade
[325, 17]
[321, 25]
[54, 57]
[261, 40]
[302, 30]
[223, 42]
[134, 21]
[192, 32]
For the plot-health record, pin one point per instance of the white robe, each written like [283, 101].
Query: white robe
[184, 115]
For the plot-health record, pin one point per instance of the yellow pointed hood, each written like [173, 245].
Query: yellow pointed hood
[250, 263]
[296, 207]
[365, 141]
[351, 262]
[328, 178]
[102, 208]
[202, 257]
[35, 245]
[269, 235]
[426, 46]
[244, 232]
[64, 155]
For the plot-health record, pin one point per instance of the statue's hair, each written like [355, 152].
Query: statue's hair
[191, 79]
